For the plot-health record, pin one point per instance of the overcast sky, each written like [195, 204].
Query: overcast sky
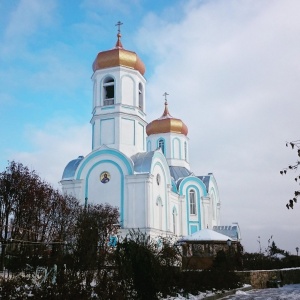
[231, 68]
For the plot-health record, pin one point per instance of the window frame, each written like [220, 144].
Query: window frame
[108, 82]
[192, 202]
[141, 96]
[161, 145]
[174, 217]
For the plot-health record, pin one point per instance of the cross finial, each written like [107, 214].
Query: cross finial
[166, 113]
[119, 26]
[166, 94]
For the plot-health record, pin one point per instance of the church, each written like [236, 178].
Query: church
[141, 168]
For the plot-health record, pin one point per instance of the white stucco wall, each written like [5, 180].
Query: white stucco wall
[136, 211]
[174, 148]
[125, 130]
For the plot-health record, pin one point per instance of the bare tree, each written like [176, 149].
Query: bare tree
[295, 145]
[96, 224]
[16, 184]
[33, 215]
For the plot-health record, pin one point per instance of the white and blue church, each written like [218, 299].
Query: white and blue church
[141, 168]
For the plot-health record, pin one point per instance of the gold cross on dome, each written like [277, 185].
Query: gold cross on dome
[119, 26]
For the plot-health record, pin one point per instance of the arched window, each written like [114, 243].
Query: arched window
[95, 93]
[161, 145]
[192, 198]
[213, 207]
[176, 148]
[108, 91]
[174, 214]
[141, 98]
[185, 151]
[160, 212]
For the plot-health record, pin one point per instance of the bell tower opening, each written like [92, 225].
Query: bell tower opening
[141, 98]
[108, 91]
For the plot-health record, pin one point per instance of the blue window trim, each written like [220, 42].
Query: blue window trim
[185, 186]
[195, 226]
[108, 107]
[198, 199]
[148, 146]
[164, 143]
[127, 107]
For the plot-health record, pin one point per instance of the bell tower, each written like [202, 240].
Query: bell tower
[119, 117]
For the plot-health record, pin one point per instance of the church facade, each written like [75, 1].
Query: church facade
[141, 168]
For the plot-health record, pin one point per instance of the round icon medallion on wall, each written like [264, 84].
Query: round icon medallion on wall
[105, 177]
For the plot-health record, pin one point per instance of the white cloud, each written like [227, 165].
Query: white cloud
[231, 69]
[28, 17]
[25, 20]
[112, 6]
[61, 70]
[60, 141]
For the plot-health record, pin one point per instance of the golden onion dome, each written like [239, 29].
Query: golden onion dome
[166, 123]
[118, 56]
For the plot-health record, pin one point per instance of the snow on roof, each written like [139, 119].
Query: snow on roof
[206, 235]
[278, 255]
[142, 161]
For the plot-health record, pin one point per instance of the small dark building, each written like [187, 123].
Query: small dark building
[200, 248]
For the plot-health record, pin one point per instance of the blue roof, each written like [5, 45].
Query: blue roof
[232, 231]
[179, 172]
[71, 168]
[205, 180]
[174, 187]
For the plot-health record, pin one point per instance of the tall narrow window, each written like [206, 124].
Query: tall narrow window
[160, 212]
[141, 98]
[213, 202]
[185, 151]
[161, 145]
[109, 91]
[95, 93]
[148, 146]
[174, 214]
[192, 202]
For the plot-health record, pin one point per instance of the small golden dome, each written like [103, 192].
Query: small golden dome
[118, 56]
[166, 123]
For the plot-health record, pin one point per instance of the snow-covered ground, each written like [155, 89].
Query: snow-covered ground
[290, 292]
